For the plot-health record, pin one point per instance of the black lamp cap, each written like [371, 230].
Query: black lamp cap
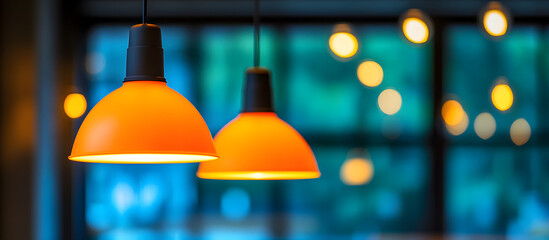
[257, 90]
[145, 60]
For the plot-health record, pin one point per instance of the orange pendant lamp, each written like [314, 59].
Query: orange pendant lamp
[144, 121]
[257, 145]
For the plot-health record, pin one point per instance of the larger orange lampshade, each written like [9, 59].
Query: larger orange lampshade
[144, 121]
[257, 145]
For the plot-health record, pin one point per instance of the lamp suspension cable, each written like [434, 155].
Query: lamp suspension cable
[256, 33]
[144, 11]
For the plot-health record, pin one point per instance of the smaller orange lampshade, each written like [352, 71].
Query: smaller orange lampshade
[143, 122]
[260, 146]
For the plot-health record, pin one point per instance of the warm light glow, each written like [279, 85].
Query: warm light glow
[485, 125]
[75, 105]
[415, 30]
[143, 158]
[389, 101]
[452, 112]
[460, 127]
[502, 97]
[455, 118]
[370, 73]
[495, 22]
[260, 146]
[275, 175]
[520, 132]
[343, 44]
[143, 122]
[356, 171]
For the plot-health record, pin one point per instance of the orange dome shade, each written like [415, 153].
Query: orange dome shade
[260, 146]
[143, 122]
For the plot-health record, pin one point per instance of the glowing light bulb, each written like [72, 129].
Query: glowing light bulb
[415, 30]
[502, 97]
[520, 132]
[389, 101]
[75, 105]
[343, 44]
[485, 125]
[356, 171]
[370, 73]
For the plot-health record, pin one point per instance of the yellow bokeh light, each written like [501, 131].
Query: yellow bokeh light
[495, 22]
[415, 30]
[75, 105]
[485, 125]
[389, 101]
[343, 44]
[460, 127]
[502, 97]
[520, 132]
[452, 112]
[356, 171]
[370, 73]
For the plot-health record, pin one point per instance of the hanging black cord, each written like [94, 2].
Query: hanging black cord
[144, 11]
[256, 34]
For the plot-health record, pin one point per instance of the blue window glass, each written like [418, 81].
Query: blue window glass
[494, 186]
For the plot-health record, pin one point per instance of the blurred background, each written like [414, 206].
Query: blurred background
[430, 132]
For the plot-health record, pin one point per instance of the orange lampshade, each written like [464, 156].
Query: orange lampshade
[260, 146]
[143, 122]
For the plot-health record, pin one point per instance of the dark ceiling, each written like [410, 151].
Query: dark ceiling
[303, 8]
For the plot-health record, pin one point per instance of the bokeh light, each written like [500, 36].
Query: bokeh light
[389, 101]
[415, 30]
[452, 112]
[356, 171]
[75, 105]
[235, 204]
[343, 44]
[502, 97]
[459, 128]
[370, 73]
[495, 23]
[520, 132]
[416, 26]
[123, 196]
[485, 125]
[495, 19]
[95, 63]
[455, 118]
